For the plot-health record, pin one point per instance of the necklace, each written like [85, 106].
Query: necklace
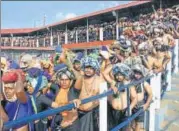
[89, 90]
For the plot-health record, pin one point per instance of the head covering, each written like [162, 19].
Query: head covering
[63, 69]
[122, 69]
[3, 61]
[60, 67]
[58, 49]
[14, 65]
[34, 72]
[11, 76]
[142, 46]
[27, 58]
[89, 61]
[175, 18]
[34, 82]
[105, 52]
[45, 63]
[78, 57]
[139, 68]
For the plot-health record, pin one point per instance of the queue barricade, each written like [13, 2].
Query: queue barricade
[176, 56]
[103, 108]
[154, 82]
[169, 74]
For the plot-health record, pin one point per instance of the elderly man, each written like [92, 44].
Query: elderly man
[18, 104]
[89, 85]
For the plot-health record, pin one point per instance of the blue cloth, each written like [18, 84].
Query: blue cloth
[14, 65]
[58, 49]
[89, 61]
[78, 57]
[21, 109]
[60, 67]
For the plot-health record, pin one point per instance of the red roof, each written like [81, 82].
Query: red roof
[28, 30]
[17, 31]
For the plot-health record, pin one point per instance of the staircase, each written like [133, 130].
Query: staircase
[167, 117]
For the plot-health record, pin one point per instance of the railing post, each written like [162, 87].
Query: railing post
[66, 35]
[103, 108]
[44, 41]
[117, 26]
[169, 66]
[158, 90]
[152, 105]
[176, 56]
[37, 42]
[51, 38]
[58, 39]
[101, 34]
[76, 36]
[87, 31]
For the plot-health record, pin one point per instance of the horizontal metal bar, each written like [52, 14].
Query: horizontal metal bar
[51, 112]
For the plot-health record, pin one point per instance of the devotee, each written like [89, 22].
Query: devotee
[142, 89]
[36, 82]
[67, 120]
[89, 85]
[18, 104]
[117, 76]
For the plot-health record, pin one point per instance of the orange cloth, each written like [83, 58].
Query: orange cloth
[62, 99]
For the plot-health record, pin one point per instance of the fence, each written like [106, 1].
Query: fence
[155, 81]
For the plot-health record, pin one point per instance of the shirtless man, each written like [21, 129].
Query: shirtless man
[161, 58]
[141, 89]
[66, 94]
[119, 75]
[89, 85]
[77, 65]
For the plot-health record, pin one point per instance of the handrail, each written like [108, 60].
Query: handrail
[127, 121]
[51, 112]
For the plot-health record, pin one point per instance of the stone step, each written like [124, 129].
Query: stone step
[171, 96]
[171, 121]
[175, 88]
[171, 115]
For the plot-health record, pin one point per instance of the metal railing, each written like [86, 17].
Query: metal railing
[155, 81]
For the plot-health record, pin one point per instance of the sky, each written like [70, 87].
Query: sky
[29, 14]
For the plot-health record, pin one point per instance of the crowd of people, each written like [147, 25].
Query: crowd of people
[32, 85]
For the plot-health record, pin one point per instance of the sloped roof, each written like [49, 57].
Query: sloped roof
[17, 31]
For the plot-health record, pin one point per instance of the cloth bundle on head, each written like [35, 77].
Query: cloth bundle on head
[34, 72]
[26, 61]
[105, 52]
[11, 76]
[14, 65]
[89, 61]
[78, 57]
[36, 78]
[3, 62]
[45, 63]
[142, 46]
[63, 69]
[122, 69]
[58, 49]
[60, 67]
[140, 68]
